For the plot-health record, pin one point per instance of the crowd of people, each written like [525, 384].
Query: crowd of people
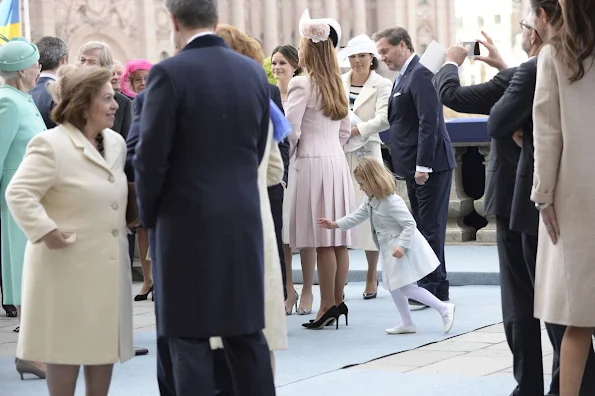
[98, 155]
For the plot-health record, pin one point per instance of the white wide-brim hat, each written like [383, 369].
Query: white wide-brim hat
[308, 28]
[361, 44]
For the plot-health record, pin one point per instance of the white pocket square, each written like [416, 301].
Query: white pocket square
[397, 94]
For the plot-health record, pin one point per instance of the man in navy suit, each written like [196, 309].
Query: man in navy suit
[202, 206]
[53, 53]
[420, 146]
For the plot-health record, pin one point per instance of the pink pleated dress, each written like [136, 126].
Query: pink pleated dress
[322, 185]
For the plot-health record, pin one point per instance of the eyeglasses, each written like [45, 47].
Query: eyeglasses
[525, 25]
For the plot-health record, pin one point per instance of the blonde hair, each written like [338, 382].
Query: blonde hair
[322, 67]
[241, 42]
[380, 181]
[106, 59]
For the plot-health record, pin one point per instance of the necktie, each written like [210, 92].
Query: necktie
[397, 80]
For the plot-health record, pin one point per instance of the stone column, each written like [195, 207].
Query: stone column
[488, 233]
[271, 25]
[331, 10]
[289, 23]
[238, 14]
[359, 17]
[459, 204]
[412, 21]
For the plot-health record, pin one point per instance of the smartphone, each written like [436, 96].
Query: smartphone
[473, 48]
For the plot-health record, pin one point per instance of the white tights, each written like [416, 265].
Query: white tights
[417, 293]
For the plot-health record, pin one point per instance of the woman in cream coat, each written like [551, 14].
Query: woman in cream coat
[69, 196]
[270, 173]
[368, 94]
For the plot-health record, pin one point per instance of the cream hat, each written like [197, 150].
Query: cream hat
[319, 29]
[361, 44]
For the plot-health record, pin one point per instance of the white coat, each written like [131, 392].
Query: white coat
[77, 301]
[393, 225]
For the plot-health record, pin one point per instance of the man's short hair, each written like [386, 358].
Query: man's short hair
[105, 59]
[394, 36]
[51, 52]
[193, 14]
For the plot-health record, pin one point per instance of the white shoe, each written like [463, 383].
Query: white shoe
[400, 329]
[449, 317]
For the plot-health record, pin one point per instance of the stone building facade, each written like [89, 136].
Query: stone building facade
[140, 28]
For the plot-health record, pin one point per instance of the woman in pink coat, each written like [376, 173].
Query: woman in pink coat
[317, 110]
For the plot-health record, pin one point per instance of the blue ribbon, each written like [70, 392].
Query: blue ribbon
[281, 127]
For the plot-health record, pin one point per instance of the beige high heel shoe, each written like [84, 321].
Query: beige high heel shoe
[24, 367]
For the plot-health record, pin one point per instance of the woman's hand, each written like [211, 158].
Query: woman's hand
[326, 223]
[548, 215]
[398, 252]
[57, 239]
[355, 131]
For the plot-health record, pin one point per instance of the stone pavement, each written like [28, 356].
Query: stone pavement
[481, 355]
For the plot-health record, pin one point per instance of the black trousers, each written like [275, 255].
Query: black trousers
[187, 366]
[276, 200]
[517, 255]
[429, 206]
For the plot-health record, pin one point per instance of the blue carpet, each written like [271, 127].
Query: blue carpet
[314, 353]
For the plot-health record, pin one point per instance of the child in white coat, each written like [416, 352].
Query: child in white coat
[405, 254]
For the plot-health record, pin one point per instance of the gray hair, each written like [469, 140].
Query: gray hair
[8, 75]
[105, 59]
[51, 52]
[193, 14]
[394, 36]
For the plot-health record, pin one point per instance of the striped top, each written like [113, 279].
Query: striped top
[354, 91]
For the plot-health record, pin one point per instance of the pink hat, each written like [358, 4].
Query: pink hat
[131, 67]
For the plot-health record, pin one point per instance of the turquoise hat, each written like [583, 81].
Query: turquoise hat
[17, 54]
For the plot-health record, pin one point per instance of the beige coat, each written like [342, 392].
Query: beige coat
[371, 106]
[270, 173]
[564, 140]
[77, 301]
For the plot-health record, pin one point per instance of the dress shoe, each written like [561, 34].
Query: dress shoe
[140, 351]
[402, 329]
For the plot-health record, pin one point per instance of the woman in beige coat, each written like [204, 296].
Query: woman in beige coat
[69, 196]
[563, 187]
[368, 95]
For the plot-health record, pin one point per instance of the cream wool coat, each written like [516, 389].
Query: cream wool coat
[563, 136]
[371, 106]
[270, 173]
[77, 301]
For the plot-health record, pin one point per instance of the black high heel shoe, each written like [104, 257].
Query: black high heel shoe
[329, 316]
[144, 297]
[343, 310]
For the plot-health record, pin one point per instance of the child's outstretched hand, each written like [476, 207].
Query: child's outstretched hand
[398, 252]
[326, 223]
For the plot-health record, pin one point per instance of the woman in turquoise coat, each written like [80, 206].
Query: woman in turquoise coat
[19, 122]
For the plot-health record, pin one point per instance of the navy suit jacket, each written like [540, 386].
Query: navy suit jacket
[133, 133]
[512, 112]
[43, 100]
[418, 135]
[203, 132]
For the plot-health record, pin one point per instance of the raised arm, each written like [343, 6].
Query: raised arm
[295, 108]
[400, 213]
[380, 121]
[35, 176]
[547, 129]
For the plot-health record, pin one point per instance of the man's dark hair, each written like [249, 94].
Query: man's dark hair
[193, 14]
[394, 36]
[51, 51]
